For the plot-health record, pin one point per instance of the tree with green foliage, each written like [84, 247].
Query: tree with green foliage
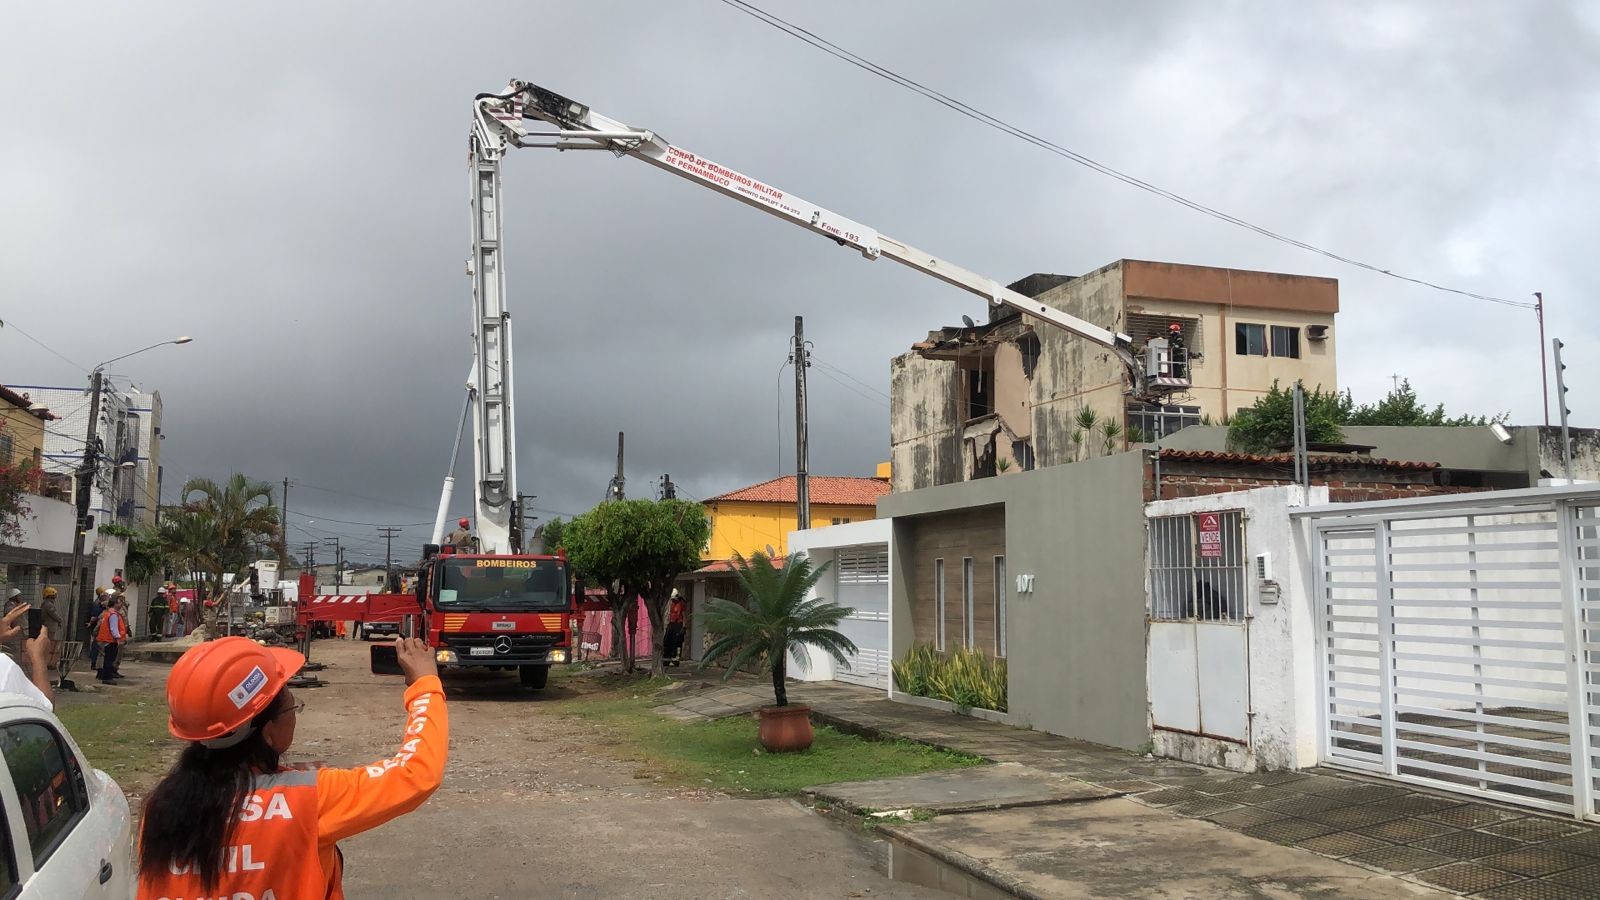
[638, 549]
[776, 620]
[236, 516]
[552, 533]
[1401, 407]
[16, 480]
[1269, 424]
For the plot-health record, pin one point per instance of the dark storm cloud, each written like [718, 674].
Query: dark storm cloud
[287, 185]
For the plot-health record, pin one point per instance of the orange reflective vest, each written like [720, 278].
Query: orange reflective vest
[110, 633]
[285, 845]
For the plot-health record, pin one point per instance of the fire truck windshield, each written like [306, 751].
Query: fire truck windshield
[502, 584]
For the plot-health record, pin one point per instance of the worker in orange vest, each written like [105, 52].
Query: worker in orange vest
[208, 832]
[111, 634]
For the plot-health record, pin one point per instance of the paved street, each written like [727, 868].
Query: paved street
[531, 807]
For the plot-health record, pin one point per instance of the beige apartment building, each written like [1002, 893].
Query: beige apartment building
[977, 400]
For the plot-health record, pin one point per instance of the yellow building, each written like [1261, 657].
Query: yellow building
[22, 439]
[754, 518]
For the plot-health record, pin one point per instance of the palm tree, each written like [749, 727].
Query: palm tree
[776, 619]
[240, 515]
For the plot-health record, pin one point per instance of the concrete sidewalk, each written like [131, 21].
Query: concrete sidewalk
[1434, 840]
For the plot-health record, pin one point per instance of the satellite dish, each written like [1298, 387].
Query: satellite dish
[967, 320]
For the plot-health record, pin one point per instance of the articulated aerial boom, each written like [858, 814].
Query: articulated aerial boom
[501, 124]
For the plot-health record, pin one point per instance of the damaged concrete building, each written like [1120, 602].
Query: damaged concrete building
[976, 400]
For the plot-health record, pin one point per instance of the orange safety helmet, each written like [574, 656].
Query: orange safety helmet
[217, 687]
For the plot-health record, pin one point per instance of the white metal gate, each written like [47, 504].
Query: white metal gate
[1459, 643]
[863, 579]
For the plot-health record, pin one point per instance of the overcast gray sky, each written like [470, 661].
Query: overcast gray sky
[286, 182]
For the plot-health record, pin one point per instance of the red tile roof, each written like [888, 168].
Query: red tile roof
[835, 490]
[1318, 461]
[22, 402]
[725, 567]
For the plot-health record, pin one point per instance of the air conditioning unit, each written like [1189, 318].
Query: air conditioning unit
[1317, 332]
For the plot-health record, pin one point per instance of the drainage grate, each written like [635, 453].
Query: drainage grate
[1228, 786]
[1472, 816]
[1417, 804]
[1172, 796]
[1206, 806]
[1354, 817]
[1533, 829]
[1468, 845]
[1586, 844]
[1130, 787]
[1535, 861]
[1301, 806]
[1536, 890]
[1245, 817]
[1273, 778]
[1465, 878]
[1407, 831]
[1363, 793]
[1400, 859]
[1586, 877]
[1287, 831]
[1263, 795]
[1341, 844]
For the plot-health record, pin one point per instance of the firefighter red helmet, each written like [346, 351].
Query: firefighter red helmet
[217, 687]
[464, 522]
[1174, 327]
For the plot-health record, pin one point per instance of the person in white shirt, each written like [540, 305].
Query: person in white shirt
[33, 684]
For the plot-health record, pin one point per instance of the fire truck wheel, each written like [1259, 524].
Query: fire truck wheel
[534, 677]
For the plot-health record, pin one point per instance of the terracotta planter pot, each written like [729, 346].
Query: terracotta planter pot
[785, 729]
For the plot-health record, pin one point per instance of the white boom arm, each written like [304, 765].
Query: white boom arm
[500, 124]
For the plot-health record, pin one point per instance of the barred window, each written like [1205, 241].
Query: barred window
[1197, 567]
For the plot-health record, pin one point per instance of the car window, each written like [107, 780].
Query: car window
[49, 784]
[8, 859]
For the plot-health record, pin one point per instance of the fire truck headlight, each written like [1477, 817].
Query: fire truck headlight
[558, 656]
[445, 656]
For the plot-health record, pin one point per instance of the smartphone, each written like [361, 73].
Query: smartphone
[35, 622]
[385, 661]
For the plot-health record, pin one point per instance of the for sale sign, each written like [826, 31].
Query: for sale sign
[1209, 527]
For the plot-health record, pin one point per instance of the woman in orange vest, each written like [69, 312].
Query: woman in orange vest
[231, 820]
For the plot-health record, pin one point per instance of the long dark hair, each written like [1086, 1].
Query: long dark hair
[190, 817]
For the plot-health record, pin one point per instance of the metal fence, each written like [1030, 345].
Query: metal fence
[1198, 567]
[1459, 643]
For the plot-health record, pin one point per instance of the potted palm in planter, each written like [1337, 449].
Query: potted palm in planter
[773, 623]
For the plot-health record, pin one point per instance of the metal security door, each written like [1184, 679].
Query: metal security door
[1450, 648]
[863, 578]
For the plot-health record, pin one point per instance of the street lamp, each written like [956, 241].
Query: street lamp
[85, 482]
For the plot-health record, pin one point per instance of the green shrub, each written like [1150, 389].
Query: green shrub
[963, 677]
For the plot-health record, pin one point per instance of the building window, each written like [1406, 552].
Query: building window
[840, 521]
[980, 393]
[1022, 452]
[1286, 341]
[1249, 340]
[938, 602]
[966, 601]
[1150, 421]
[1197, 567]
[1000, 606]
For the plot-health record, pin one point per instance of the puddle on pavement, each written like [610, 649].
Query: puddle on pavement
[909, 865]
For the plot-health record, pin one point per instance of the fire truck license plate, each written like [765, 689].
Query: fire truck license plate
[481, 651]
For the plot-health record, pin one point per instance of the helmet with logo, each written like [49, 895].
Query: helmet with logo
[216, 689]
[465, 522]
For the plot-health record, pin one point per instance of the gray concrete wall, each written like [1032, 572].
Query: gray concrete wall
[924, 431]
[1076, 644]
[1074, 372]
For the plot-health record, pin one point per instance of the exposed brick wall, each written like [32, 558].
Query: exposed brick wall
[1188, 484]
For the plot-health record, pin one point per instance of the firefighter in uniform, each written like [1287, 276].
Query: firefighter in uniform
[461, 538]
[272, 834]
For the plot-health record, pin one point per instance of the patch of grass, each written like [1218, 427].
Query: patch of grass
[725, 754]
[123, 732]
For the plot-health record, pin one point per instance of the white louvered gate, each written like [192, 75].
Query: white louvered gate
[1459, 644]
[862, 574]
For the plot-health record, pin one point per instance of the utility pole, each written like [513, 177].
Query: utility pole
[802, 490]
[388, 533]
[86, 471]
[618, 482]
[1302, 463]
[1561, 400]
[669, 491]
[1544, 370]
[338, 562]
[283, 530]
[311, 559]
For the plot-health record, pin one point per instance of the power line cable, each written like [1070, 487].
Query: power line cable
[340, 493]
[984, 118]
[47, 348]
[838, 371]
[852, 389]
[317, 518]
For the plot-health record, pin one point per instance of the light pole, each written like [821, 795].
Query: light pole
[85, 482]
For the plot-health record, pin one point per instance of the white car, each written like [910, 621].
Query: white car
[67, 829]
